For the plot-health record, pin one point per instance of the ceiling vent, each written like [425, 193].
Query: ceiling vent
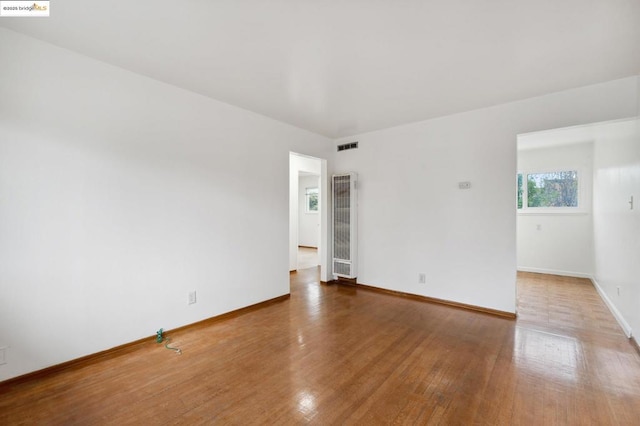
[345, 146]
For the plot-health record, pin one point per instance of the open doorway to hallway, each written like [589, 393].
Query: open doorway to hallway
[308, 220]
[308, 257]
[307, 213]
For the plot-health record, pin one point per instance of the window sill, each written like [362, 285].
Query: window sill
[553, 213]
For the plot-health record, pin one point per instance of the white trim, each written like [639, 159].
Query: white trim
[552, 213]
[583, 126]
[554, 272]
[616, 313]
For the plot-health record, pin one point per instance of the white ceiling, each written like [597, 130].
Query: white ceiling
[340, 68]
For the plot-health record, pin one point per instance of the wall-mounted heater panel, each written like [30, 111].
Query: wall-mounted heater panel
[345, 225]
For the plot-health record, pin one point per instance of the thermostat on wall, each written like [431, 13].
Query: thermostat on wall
[464, 185]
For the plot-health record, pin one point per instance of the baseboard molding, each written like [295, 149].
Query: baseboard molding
[348, 281]
[208, 321]
[626, 328]
[76, 363]
[131, 346]
[554, 272]
[427, 299]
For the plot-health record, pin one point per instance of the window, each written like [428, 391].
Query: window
[548, 191]
[520, 191]
[311, 200]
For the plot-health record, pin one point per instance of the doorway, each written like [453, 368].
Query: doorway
[554, 217]
[308, 213]
[585, 237]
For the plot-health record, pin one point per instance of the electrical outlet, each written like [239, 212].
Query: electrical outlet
[422, 278]
[192, 297]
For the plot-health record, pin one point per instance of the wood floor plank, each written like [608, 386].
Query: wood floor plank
[333, 354]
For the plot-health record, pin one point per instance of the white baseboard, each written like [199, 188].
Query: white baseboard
[554, 272]
[616, 313]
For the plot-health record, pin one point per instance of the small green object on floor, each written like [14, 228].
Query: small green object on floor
[160, 338]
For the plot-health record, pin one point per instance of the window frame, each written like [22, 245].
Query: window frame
[581, 208]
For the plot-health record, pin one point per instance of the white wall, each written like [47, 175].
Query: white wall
[616, 226]
[119, 195]
[560, 244]
[412, 216]
[309, 223]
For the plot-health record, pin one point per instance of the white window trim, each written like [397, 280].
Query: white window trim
[583, 202]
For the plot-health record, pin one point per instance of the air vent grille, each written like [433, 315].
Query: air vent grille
[345, 146]
[342, 217]
[345, 225]
[341, 268]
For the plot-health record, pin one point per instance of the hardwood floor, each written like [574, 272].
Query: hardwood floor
[341, 355]
[307, 257]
